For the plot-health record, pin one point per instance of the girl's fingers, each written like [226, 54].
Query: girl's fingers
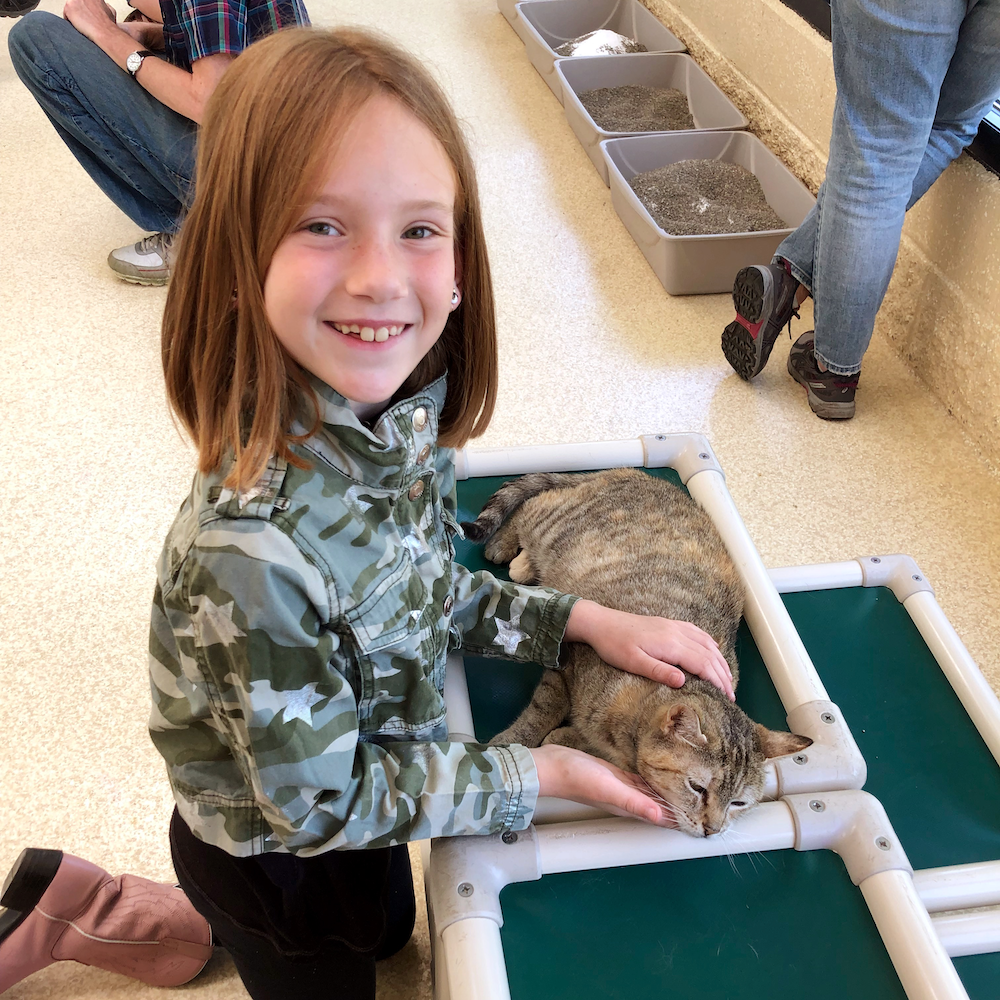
[699, 660]
[627, 796]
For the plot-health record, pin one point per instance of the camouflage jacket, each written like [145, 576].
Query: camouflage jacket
[298, 643]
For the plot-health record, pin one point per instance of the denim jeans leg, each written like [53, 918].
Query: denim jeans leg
[139, 151]
[799, 248]
[890, 61]
[970, 87]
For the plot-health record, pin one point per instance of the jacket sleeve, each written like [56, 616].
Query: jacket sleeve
[498, 618]
[243, 659]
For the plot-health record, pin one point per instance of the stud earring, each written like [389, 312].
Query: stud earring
[455, 297]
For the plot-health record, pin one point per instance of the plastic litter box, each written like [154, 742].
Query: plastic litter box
[509, 10]
[546, 24]
[691, 265]
[710, 108]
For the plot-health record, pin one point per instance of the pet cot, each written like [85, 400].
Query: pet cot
[584, 905]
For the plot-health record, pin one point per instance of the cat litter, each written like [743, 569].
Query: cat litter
[693, 251]
[701, 197]
[555, 29]
[638, 109]
[602, 42]
[684, 99]
[587, 906]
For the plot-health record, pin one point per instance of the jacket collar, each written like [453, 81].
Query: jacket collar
[382, 455]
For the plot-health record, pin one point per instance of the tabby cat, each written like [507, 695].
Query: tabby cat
[638, 544]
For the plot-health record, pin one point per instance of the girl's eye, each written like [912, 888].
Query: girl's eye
[322, 229]
[418, 233]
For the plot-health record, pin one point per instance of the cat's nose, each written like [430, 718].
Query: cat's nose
[710, 829]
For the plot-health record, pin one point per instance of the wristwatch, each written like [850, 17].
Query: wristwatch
[135, 59]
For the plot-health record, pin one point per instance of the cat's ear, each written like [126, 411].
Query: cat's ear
[777, 744]
[682, 722]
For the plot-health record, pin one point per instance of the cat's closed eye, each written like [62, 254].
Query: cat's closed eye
[738, 805]
[696, 788]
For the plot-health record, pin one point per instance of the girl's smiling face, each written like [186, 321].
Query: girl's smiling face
[360, 289]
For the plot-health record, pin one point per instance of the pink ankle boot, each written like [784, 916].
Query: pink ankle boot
[61, 908]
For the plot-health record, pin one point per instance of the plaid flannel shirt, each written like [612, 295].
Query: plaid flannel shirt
[193, 29]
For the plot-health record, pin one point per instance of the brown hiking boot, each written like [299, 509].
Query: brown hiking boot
[62, 908]
[831, 396]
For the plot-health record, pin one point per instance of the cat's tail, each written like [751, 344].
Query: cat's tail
[512, 494]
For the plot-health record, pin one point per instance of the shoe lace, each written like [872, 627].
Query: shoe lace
[794, 315]
[159, 243]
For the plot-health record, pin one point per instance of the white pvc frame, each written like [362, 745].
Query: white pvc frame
[465, 927]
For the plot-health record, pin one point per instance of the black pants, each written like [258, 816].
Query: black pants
[300, 928]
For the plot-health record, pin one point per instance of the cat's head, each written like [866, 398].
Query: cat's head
[706, 757]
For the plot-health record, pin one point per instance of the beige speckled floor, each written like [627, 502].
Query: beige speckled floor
[591, 349]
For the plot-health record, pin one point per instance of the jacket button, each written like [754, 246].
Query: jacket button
[449, 603]
[423, 453]
[419, 418]
[416, 490]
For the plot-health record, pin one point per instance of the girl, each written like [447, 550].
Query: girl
[331, 271]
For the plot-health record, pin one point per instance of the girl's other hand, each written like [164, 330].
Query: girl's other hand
[650, 647]
[575, 775]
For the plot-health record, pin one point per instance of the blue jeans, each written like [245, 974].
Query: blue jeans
[914, 80]
[140, 153]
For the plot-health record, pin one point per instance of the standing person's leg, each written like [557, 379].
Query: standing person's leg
[868, 107]
[970, 87]
[137, 150]
[890, 61]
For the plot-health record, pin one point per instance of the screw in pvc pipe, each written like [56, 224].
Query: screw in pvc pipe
[801, 758]
[882, 843]
[703, 456]
[509, 837]
[661, 437]
[465, 889]
[817, 806]
[876, 559]
[829, 718]
[917, 577]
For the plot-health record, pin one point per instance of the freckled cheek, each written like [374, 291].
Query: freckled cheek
[435, 278]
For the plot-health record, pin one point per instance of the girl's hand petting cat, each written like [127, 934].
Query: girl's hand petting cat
[575, 775]
[649, 646]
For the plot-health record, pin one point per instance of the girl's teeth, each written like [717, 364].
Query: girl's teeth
[369, 333]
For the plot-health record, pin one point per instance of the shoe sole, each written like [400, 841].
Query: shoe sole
[25, 885]
[133, 279]
[821, 407]
[748, 354]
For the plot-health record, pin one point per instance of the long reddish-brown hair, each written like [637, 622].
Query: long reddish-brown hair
[268, 131]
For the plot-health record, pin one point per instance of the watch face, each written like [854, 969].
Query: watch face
[133, 63]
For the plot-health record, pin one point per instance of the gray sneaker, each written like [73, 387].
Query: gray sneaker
[144, 263]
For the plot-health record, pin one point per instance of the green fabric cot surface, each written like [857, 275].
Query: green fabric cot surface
[783, 923]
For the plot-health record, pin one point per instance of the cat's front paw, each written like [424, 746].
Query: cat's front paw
[520, 569]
